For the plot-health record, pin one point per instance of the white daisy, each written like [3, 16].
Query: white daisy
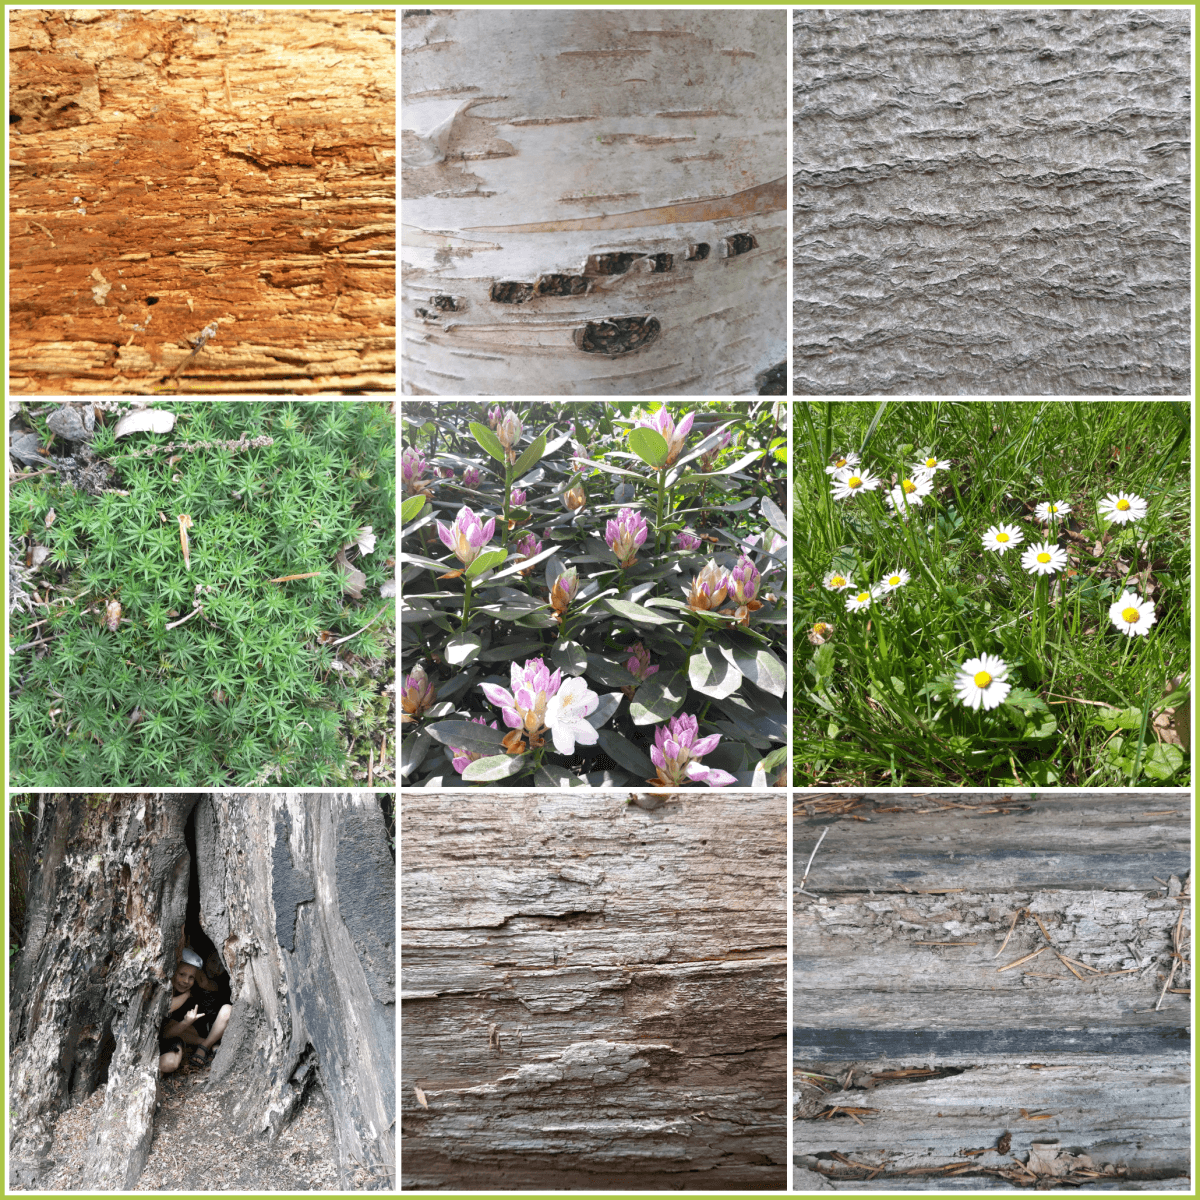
[1002, 537]
[981, 681]
[820, 633]
[910, 493]
[930, 463]
[851, 480]
[858, 601]
[841, 462]
[890, 582]
[1044, 558]
[1052, 511]
[1122, 508]
[835, 581]
[1132, 616]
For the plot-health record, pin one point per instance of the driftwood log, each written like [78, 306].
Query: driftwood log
[297, 893]
[991, 201]
[992, 991]
[179, 171]
[594, 993]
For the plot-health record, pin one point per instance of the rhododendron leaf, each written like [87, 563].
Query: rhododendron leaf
[710, 672]
[413, 750]
[622, 751]
[509, 651]
[569, 657]
[650, 446]
[658, 698]
[467, 735]
[485, 561]
[462, 649]
[410, 508]
[499, 766]
[530, 456]
[775, 516]
[636, 612]
[488, 440]
[762, 668]
[608, 705]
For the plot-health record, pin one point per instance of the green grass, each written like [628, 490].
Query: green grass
[875, 702]
[245, 692]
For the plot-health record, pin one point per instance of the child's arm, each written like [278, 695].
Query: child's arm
[179, 1001]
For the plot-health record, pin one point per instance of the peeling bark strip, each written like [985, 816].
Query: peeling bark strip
[172, 171]
[671, 136]
[593, 993]
[297, 893]
[992, 201]
[975, 990]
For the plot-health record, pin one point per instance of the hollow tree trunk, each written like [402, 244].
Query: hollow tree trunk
[297, 893]
[175, 169]
[594, 993]
[594, 202]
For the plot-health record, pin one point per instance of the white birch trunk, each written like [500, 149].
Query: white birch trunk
[593, 201]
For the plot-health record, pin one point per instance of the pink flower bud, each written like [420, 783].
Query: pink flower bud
[626, 535]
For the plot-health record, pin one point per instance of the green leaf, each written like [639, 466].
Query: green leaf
[658, 698]
[510, 651]
[467, 735]
[410, 508]
[500, 766]
[774, 515]
[650, 446]
[413, 750]
[529, 457]
[485, 561]
[488, 440]
[711, 673]
[557, 777]
[462, 649]
[763, 670]
[621, 750]
[1041, 774]
[1161, 760]
[636, 612]
[1126, 718]
[569, 657]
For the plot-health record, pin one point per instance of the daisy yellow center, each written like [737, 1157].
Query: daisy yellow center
[1053, 508]
[1043, 557]
[1122, 506]
[863, 597]
[1130, 615]
[837, 581]
[820, 629]
[1002, 537]
[841, 462]
[982, 679]
[931, 462]
[854, 481]
[909, 486]
[894, 581]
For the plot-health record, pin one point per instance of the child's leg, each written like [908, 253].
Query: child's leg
[218, 1026]
[170, 1061]
[185, 1033]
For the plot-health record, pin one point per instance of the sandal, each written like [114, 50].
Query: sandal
[201, 1057]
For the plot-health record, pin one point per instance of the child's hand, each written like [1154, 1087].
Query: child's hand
[193, 1016]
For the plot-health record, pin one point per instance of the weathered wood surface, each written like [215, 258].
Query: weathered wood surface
[170, 169]
[991, 201]
[904, 974]
[595, 995]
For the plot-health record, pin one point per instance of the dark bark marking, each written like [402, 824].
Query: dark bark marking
[561, 285]
[739, 243]
[617, 335]
[289, 887]
[511, 292]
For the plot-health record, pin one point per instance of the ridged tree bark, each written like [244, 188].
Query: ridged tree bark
[178, 171]
[298, 895]
[992, 201]
[594, 202]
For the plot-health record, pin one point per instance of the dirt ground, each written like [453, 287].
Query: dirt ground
[194, 1150]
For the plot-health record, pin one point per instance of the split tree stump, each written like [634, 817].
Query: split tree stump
[594, 994]
[915, 1055]
[175, 168]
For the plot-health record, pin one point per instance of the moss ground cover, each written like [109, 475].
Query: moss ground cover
[992, 593]
[593, 594]
[136, 665]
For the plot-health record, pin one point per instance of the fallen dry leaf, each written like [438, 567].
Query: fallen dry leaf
[420, 1097]
[1050, 1160]
[51, 517]
[353, 580]
[145, 420]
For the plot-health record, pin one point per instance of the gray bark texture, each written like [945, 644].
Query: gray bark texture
[983, 966]
[992, 201]
[298, 895]
[594, 993]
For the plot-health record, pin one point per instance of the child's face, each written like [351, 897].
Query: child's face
[184, 978]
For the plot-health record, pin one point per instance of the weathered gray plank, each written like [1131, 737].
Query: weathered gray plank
[594, 995]
[1081, 840]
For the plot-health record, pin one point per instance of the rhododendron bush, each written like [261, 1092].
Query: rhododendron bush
[593, 594]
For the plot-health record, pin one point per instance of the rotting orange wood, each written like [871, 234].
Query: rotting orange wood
[189, 167]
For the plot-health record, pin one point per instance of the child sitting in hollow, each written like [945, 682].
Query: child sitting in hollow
[196, 1016]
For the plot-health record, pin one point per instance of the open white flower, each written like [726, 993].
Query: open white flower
[1044, 558]
[1053, 511]
[910, 493]
[1002, 537]
[841, 462]
[835, 581]
[930, 464]
[890, 582]
[1122, 508]
[1133, 617]
[981, 682]
[567, 713]
[858, 601]
[849, 481]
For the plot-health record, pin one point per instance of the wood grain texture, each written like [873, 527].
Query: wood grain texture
[904, 974]
[594, 994]
[991, 202]
[232, 166]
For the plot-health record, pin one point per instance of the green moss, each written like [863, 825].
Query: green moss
[246, 687]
